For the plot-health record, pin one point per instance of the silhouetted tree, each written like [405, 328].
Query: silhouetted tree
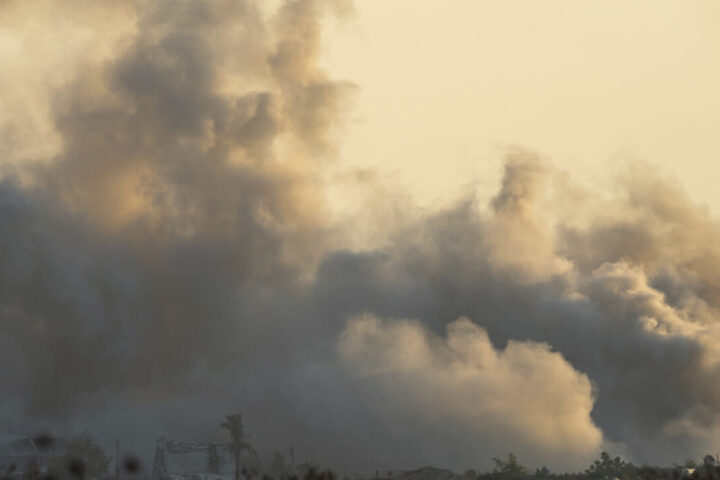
[233, 424]
[542, 472]
[510, 467]
[608, 468]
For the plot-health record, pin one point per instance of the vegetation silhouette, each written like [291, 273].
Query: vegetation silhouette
[83, 458]
[509, 468]
[234, 425]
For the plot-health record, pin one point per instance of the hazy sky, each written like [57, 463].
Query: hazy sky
[445, 85]
[395, 234]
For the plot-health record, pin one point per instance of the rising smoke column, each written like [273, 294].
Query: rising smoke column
[168, 256]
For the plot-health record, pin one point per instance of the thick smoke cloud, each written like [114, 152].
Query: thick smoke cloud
[170, 259]
[185, 197]
[171, 195]
[471, 387]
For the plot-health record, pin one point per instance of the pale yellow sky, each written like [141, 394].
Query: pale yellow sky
[444, 85]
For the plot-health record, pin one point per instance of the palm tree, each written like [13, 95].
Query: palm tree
[233, 424]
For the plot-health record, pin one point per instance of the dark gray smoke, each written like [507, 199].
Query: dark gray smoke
[171, 261]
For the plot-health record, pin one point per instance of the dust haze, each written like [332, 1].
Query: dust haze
[168, 254]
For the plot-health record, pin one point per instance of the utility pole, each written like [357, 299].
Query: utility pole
[117, 459]
[292, 460]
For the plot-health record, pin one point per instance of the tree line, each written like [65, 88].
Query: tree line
[84, 459]
[604, 468]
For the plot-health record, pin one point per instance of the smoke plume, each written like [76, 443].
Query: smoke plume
[166, 257]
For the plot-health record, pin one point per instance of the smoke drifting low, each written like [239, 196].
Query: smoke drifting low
[525, 396]
[172, 260]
